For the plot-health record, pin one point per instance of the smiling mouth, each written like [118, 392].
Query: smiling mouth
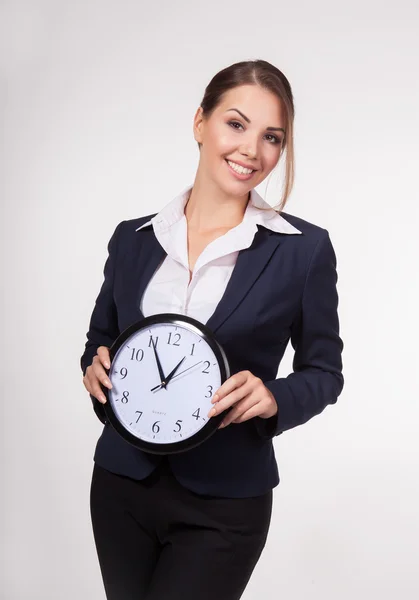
[234, 165]
[240, 171]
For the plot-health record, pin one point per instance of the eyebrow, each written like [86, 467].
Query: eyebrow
[248, 120]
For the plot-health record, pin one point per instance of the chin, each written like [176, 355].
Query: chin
[238, 188]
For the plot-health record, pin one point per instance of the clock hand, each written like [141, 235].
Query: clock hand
[169, 377]
[158, 365]
[177, 375]
[184, 371]
[162, 384]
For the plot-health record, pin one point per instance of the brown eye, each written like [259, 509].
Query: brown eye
[231, 123]
[275, 139]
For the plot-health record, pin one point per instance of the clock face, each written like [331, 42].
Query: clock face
[155, 407]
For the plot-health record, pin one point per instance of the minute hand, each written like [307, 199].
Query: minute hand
[184, 370]
[169, 377]
[158, 362]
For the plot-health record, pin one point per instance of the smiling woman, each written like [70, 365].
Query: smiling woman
[193, 524]
[260, 95]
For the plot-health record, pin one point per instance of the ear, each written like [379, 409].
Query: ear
[198, 125]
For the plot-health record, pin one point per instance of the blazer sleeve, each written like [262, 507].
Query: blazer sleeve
[103, 327]
[317, 378]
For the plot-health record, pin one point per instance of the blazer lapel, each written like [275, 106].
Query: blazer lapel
[249, 265]
[151, 254]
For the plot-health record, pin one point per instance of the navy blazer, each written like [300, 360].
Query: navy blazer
[283, 287]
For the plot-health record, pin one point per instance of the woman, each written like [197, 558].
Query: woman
[194, 524]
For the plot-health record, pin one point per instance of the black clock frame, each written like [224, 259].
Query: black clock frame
[213, 422]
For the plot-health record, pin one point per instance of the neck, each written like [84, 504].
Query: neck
[209, 207]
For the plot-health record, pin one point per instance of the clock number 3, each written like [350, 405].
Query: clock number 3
[210, 388]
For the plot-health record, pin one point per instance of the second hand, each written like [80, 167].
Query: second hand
[177, 375]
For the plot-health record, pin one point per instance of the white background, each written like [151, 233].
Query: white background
[97, 104]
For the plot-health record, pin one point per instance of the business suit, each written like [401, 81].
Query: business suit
[282, 287]
[193, 525]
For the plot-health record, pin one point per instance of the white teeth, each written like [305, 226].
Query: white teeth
[240, 169]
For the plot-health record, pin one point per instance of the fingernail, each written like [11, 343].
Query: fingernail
[102, 399]
[221, 426]
[212, 412]
[107, 365]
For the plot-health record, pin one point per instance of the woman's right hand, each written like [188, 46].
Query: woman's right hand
[96, 374]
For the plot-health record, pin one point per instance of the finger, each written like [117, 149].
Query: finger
[231, 399]
[97, 392]
[239, 410]
[103, 354]
[236, 380]
[86, 383]
[93, 385]
[227, 402]
[253, 412]
[100, 373]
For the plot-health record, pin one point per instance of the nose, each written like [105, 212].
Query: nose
[250, 150]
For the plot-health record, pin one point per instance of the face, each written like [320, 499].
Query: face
[245, 138]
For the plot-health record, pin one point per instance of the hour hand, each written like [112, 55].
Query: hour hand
[169, 377]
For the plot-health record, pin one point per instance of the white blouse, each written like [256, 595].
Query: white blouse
[169, 289]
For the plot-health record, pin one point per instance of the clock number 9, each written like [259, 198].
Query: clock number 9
[123, 372]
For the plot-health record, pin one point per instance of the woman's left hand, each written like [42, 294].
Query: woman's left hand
[250, 397]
